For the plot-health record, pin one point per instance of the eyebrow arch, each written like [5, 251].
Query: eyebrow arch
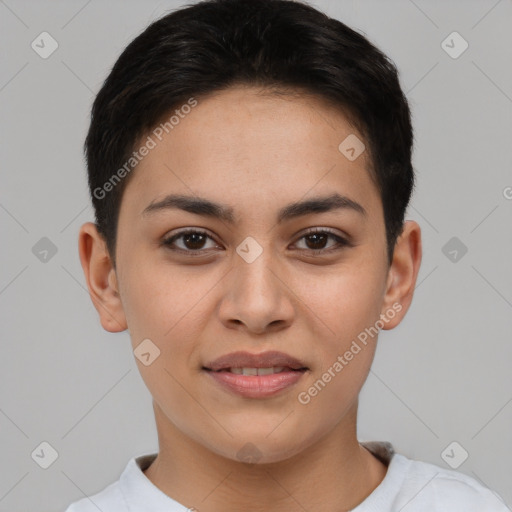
[207, 208]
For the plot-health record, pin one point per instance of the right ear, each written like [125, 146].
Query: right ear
[101, 278]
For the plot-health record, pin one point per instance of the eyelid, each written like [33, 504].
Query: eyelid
[321, 229]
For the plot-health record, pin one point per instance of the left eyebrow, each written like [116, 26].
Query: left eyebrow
[319, 205]
[207, 208]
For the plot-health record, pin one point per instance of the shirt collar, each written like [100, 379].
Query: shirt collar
[141, 495]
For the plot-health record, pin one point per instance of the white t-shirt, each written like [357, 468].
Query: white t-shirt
[409, 486]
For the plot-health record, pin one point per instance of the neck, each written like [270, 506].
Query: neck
[334, 474]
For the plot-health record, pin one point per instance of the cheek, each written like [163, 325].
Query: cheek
[162, 302]
[346, 306]
[170, 307]
[344, 302]
[161, 305]
[343, 359]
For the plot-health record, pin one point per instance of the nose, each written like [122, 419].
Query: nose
[257, 298]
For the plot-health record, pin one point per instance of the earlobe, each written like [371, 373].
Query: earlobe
[402, 274]
[101, 278]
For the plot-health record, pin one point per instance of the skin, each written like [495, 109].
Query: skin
[255, 153]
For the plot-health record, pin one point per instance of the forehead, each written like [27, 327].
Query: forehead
[246, 146]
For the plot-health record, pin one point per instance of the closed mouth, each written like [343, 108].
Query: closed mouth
[258, 371]
[248, 363]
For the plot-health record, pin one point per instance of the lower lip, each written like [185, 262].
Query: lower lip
[256, 386]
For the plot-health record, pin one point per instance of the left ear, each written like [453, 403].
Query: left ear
[402, 274]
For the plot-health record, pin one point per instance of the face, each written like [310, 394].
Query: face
[307, 280]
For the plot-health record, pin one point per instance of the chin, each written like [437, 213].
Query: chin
[257, 448]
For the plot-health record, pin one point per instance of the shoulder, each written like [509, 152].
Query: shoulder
[432, 487]
[132, 491]
[110, 498]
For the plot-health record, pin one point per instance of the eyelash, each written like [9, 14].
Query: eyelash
[341, 242]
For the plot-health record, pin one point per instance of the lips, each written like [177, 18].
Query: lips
[255, 364]
[258, 376]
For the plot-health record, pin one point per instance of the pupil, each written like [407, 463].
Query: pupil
[317, 236]
[196, 243]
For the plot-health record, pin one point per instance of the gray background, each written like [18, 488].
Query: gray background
[443, 375]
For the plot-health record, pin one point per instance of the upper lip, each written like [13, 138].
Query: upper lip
[247, 360]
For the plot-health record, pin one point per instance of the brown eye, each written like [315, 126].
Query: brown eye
[194, 240]
[316, 241]
[191, 241]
